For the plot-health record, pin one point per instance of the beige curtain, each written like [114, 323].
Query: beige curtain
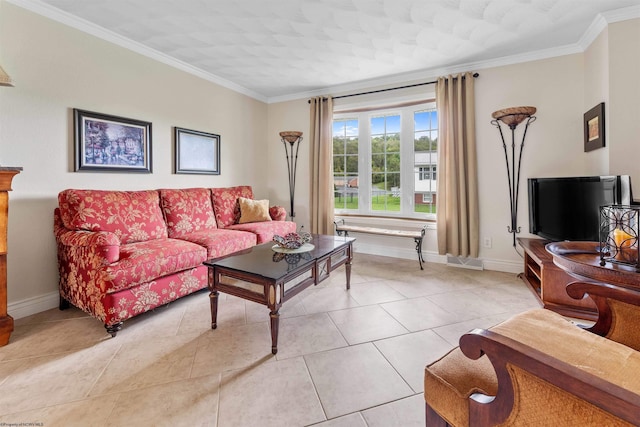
[457, 189]
[321, 147]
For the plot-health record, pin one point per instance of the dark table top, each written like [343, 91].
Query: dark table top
[262, 260]
[583, 259]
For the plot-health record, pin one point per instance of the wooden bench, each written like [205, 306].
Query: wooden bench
[416, 235]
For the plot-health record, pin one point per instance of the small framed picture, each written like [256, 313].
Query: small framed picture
[197, 152]
[594, 128]
[110, 143]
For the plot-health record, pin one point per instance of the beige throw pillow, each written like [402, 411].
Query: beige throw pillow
[253, 210]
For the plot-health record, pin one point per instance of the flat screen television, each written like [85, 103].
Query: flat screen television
[569, 208]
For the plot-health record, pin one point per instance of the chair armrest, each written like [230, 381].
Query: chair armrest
[277, 213]
[506, 353]
[618, 310]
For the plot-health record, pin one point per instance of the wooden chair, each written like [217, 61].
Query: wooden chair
[538, 368]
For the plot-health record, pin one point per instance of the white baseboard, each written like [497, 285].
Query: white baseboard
[410, 254]
[504, 266]
[33, 305]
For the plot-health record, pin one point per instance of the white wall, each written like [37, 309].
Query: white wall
[57, 68]
[596, 90]
[553, 145]
[623, 118]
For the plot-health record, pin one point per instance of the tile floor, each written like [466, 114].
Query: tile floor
[346, 358]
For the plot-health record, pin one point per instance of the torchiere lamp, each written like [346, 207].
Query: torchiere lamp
[5, 80]
[291, 139]
[512, 117]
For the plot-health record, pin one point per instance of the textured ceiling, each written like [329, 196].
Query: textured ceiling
[278, 48]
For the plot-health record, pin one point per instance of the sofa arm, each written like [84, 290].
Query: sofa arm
[90, 247]
[277, 213]
[103, 247]
[618, 310]
[533, 383]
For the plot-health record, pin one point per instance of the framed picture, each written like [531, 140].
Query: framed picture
[110, 143]
[197, 152]
[594, 128]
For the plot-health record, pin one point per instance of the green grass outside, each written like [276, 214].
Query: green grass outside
[378, 204]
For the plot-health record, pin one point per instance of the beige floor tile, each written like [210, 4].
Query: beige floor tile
[321, 300]
[407, 412]
[51, 380]
[260, 313]
[231, 348]
[46, 338]
[354, 378]
[307, 334]
[274, 394]
[418, 287]
[515, 296]
[369, 323]
[420, 313]
[468, 304]
[82, 413]
[351, 420]
[410, 353]
[148, 362]
[159, 323]
[197, 317]
[374, 293]
[51, 315]
[192, 402]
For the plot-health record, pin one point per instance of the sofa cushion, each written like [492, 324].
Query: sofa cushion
[225, 203]
[133, 216]
[222, 242]
[187, 211]
[119, 306]
[253, 210]
[142, 262]
[266, 230]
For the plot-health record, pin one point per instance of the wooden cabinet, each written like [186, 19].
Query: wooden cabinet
[548, 281]
[6, 321]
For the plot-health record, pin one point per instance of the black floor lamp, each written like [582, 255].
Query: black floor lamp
[512, 117]
[291, 141]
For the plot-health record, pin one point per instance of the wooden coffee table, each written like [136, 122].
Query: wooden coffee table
[265, 276]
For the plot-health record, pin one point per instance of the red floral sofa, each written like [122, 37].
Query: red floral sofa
[122, 253]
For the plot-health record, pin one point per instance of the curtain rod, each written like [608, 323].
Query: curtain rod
[391, 88]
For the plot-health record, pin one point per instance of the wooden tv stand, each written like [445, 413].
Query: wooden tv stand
[548, 281]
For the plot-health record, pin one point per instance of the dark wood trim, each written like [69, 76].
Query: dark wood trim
[433, 419]
[501, 350]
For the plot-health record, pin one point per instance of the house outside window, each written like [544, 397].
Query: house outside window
[385, 162]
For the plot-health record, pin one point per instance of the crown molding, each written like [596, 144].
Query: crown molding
[80, 24]
[624, 14]
[599, 23]
[429, 74]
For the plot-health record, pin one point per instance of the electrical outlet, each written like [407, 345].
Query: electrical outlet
[487, 242]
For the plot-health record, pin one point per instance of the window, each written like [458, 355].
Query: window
[426, 172]
[384, 161]
[345, 164]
